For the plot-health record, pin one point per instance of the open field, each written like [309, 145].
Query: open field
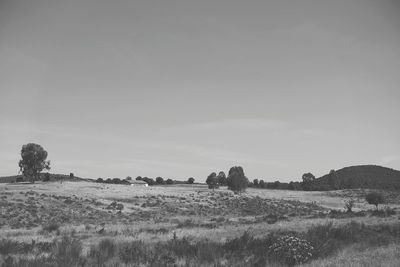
[42, 213]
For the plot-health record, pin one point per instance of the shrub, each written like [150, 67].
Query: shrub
[190, 180]
[374, 198]
[99, 180]
[349, 204]
[169, 181]
[50, 227]
[291, 250]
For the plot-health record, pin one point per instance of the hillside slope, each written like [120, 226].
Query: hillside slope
[362, 176]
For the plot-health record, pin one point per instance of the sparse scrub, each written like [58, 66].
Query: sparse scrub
[349, 204]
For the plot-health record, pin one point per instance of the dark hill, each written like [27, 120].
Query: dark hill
[362, 176]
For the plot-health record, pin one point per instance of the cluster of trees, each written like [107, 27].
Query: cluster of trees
[158, 180]
[215, 181]
[112, 181]
[275, 185]
[236, 180]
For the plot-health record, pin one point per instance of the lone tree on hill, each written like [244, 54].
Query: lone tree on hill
[33, 161]
[190, 180]
[212, 181]
[237, 181]
[375, 198]
[159, 180]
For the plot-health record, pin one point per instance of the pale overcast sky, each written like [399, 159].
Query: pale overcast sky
[184, 88]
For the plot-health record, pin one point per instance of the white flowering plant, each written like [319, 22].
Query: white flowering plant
[291, 250]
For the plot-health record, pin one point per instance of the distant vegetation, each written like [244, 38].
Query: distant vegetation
[363, 176]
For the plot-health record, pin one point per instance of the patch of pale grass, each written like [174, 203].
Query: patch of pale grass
[387, 256]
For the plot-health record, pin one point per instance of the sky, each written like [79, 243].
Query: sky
[181, 89]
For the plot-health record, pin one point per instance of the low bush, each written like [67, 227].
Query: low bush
[291, 250]
[50, 227]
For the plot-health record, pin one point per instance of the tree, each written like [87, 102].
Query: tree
[169, 181]
[212, 181]
[128, 178]
[333, 180]
[159, 180]
[221, 178]
[261, 184]
[237, 181]
[308, 179]
[255, 182]
[375, 198]
[71, 175]
[190, 180]
[33, 161]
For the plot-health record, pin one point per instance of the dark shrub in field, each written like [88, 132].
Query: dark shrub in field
[374, 198]
[291, 250]
[169, 181]
[51, 226]
[100, 180]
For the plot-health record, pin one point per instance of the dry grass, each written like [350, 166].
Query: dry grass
[387, 256]
[44, 212]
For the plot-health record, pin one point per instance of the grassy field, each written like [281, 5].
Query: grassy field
[132, 221]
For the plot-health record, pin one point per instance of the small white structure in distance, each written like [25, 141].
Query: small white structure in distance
[138, 183]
